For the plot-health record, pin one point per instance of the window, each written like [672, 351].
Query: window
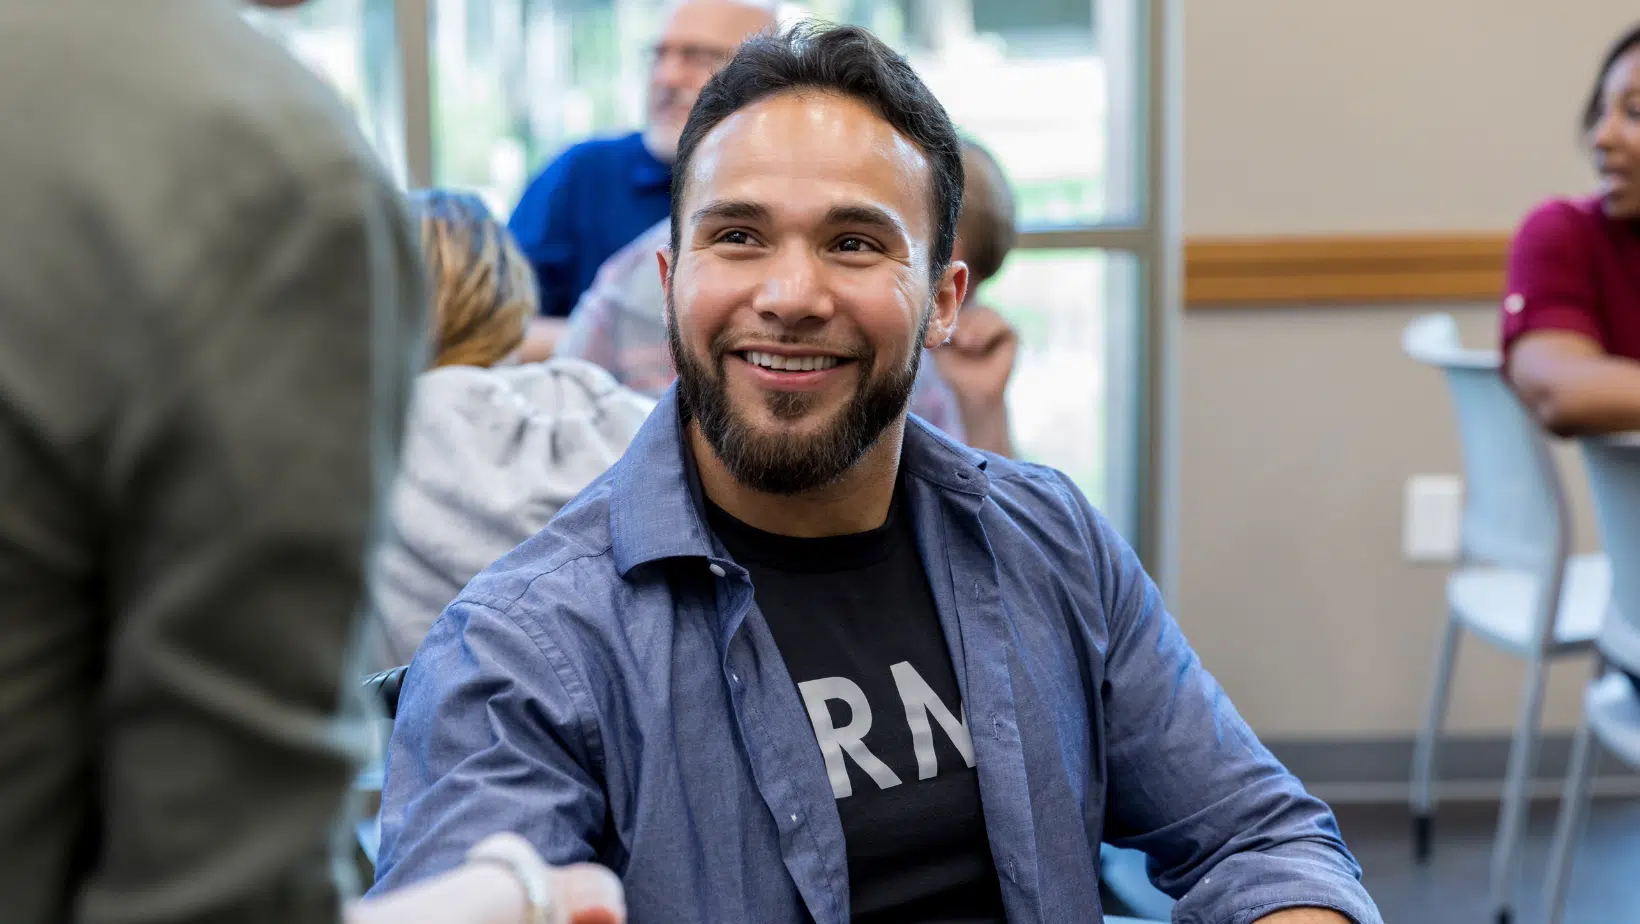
[516, 81]
[353, 45]
[1029, 79]
[1057, 91]
[1063, 93]
[1066, 305]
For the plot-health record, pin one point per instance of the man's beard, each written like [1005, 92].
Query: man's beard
[778, 463]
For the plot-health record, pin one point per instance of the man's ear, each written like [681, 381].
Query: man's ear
[948, 298]
[663, 258]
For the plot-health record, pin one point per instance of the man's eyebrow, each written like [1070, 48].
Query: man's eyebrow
[730, 210]
[867, 216]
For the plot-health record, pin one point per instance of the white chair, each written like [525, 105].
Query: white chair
[1515, 585]
[1611, 711]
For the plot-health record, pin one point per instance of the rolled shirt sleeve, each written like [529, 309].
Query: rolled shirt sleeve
[494, 733]
[1551, 277]
[1230, 832]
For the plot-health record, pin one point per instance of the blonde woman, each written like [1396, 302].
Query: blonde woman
[492, 447]
[483, 288]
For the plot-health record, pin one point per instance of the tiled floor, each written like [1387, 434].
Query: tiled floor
[1452, 887]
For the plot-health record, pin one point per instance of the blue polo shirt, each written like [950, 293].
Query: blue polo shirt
[593, 200]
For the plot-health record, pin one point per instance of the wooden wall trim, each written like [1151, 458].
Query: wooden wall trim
[1320, 271]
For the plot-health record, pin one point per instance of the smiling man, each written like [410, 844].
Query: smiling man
[798, 657]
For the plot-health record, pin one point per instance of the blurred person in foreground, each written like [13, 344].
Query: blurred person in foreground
[620, 323]
[1571, 317]
[595, 197]
[212, 307]
[801, 657]
[493, 448]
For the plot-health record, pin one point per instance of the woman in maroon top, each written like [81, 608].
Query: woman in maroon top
[1571, 318]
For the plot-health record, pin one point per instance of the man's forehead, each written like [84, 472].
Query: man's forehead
[820, 137]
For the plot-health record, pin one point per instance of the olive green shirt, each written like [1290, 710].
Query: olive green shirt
[210, 310]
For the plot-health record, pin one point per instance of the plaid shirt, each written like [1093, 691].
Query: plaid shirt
[620, 324]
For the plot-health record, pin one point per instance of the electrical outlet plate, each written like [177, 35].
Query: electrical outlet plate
[1432, 525]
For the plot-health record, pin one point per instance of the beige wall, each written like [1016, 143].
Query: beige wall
[1299, 427]
[1391, 115]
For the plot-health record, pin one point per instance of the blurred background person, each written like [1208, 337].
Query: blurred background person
[599, 195]
[1571, 316]
[978, 360]
[492, 448]
[620, 323]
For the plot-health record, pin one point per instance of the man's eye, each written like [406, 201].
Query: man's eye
[734, 237]
[855, 245]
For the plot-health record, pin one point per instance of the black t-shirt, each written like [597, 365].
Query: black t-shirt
[856, 625]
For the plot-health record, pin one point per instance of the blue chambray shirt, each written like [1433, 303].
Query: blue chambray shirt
[610, 691]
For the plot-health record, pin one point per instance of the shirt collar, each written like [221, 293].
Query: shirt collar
[656, 510]
[646, 171]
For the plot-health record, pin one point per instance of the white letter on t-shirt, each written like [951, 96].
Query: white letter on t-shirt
[921, 700]
[850, 739]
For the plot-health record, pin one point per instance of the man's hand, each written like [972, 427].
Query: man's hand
[976, 363]
[1304, 916]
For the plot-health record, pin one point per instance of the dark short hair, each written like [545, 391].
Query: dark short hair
[847, 61]
[1597, 103]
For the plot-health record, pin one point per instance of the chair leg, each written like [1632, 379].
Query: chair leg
[1424, 754]
[1512, 818]
[1574, 811]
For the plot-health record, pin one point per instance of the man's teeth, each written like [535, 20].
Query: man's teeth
[791, 363]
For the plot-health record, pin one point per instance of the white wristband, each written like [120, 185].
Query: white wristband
[515, 855]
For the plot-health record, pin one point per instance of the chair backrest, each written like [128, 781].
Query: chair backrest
[384, 689]
[1514, 506]
[1613, 463]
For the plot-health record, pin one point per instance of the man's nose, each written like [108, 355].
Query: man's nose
[792, 293]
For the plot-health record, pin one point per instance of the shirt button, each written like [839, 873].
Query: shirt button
[1514, 303]
[735, 678]
[717, 569]
[794, 819]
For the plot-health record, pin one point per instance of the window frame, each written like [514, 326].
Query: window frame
[1141, 42]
